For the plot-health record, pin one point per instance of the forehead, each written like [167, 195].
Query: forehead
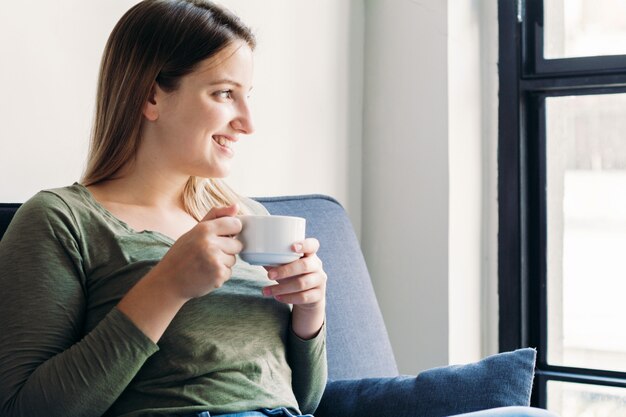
[233, 61]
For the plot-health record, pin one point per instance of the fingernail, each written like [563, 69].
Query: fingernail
[297, 247]
[272, 274]
[267, 291]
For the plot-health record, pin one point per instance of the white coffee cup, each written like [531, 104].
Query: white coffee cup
[268, 240]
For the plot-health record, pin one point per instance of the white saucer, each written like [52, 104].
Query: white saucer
[269, 259]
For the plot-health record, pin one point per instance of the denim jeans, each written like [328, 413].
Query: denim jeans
[509, 412]
[276, 412]
[494, 412]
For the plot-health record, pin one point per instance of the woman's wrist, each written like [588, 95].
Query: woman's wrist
[307, 320]
[151, 305]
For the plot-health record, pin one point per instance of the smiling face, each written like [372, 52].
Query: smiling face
[191, 131]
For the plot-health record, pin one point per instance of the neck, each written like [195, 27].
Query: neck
[153, 190]
[146, 183]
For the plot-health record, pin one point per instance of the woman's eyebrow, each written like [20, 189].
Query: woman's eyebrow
[225, 81]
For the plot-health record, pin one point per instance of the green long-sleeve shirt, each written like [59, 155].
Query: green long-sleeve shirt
[65, 350]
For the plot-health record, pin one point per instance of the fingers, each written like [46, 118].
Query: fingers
[304, 297]
[217, 212]
[228, 260]
[302, 281]
[229, 245]
[296, 284]
[309, 263]
[307, 246]
[305, 289]
[222, 226]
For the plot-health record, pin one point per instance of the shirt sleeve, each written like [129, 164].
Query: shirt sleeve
[47, 365]
[309, 366]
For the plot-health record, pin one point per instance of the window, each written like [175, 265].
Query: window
[562, 198]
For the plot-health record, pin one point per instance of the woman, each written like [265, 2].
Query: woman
[127, 295]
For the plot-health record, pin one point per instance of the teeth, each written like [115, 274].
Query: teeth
[223, 141]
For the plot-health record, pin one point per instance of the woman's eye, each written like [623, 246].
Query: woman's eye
[227, 94]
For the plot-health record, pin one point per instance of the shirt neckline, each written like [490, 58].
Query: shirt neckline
[95, 203]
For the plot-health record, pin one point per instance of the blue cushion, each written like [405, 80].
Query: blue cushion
[501, 380]
[358, 345]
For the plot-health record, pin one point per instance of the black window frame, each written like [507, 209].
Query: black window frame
[526, 79]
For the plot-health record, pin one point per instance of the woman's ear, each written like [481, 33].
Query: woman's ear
[150, 107]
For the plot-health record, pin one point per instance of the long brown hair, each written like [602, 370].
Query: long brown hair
[156, 41]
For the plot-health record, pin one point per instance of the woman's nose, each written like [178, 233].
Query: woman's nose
[243, 122]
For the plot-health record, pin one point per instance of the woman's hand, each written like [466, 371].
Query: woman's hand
[303, 284]
[199, 262]
[201, 259]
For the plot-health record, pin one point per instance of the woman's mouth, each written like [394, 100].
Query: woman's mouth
[223, 141]
[225, 144]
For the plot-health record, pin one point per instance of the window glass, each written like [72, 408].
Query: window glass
[576, 28]
[586, 230]
[581, 400]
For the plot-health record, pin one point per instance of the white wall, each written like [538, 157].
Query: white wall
[465, 157]
[406, 175]
[307, 95]
[473, 111]
[51, 52]
[429, 139]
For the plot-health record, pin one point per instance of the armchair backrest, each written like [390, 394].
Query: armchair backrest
[7, 210]
[357, 341]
